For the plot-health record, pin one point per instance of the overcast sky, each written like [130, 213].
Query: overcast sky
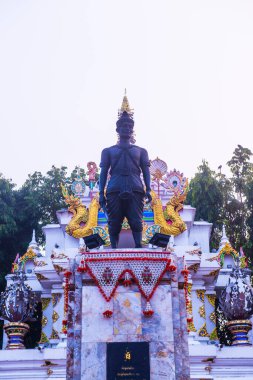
[187, 66]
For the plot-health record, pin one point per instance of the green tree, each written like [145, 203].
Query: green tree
[249, 221]
[205, 194]
[8, 228]
[38, 200]
[238, 209]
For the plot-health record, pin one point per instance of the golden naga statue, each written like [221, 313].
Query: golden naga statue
[169, 219]
[88, 217]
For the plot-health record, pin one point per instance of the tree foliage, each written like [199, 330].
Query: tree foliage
[220, 199]
[205, 194]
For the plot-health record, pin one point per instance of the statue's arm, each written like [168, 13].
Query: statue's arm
[105, 164]
[145, 164]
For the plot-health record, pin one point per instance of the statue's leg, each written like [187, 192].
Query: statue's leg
[115, 217]
[134, 217]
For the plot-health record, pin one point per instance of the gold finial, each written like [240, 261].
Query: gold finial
[125, 107]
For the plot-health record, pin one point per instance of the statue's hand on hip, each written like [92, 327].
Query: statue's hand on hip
[148, 197]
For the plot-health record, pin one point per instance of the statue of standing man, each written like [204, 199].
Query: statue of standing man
[125, 192]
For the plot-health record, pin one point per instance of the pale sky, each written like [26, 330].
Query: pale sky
[187, 66]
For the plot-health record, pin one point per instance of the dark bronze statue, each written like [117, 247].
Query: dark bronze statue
[125, 191]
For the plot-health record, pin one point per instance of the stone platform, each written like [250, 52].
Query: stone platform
[165, 331]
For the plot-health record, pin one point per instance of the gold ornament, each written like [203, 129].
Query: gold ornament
[81, 215]
[211, 298]
[214, 273]
[213, 317]
[213, 335]
[202, 311]
[29, 255]
[201, 294]
[195, 252]
[44, 321]
[41, 276]
[194, 267]
[54, 334]
[226, 250]
[55, 316]
[58, 256]
[45, 302]
[125, 224]
[43, 338]
[191, 327]
[125, 107]
[39, 263]
[171, 213]
[56, 298]
[203, 331]
[58, 268]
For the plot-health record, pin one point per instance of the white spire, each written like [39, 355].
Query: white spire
[34, 245]
[224, 238]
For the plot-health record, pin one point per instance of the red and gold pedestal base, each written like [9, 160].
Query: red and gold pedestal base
[239, 330]
[16, 332]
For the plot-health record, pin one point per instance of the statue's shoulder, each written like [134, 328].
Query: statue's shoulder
[143, 150]
[109, 148]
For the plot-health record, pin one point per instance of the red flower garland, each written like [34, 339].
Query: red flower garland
[148, 313]
[67, 275]
[89, 271]
[107, 313]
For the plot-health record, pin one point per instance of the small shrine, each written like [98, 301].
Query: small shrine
[155, 312]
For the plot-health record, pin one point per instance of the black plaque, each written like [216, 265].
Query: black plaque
[128, 361]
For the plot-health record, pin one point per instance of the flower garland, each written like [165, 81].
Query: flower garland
[67, 275]
[147, 272]
[185, 272]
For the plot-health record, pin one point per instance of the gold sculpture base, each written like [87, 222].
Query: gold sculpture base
[16, 332]
[239, 330]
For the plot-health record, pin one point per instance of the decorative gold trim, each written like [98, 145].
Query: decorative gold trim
[58, 256]
[191, 327]
[194, 267]
[211, 298]
[54, 334]
[40, 263]
[44, 321]
[41, 277]
[195, 252]
[239, 321]
[212, 317]
[203, 331]
[55, 316]
[125, 224]
[29, 255]
[201, 294]
[45, 302]
[213, 335]
[226, 250]
[214, 273]
[202, 311]
[189, 306]
[58, 268]
[43, 338]
[56, 298]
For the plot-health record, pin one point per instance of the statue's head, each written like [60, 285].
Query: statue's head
[125, 125]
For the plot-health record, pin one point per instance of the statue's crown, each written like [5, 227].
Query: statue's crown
[125, 108]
